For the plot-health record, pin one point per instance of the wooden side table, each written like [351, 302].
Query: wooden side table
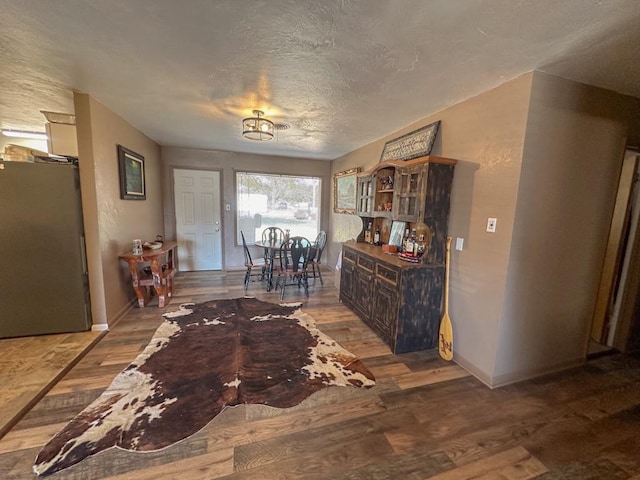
[160, 280]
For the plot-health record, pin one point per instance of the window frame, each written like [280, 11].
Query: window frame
[315, 205]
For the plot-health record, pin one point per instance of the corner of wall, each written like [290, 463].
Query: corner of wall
[82, 107]
[573, 150]
[481, 375]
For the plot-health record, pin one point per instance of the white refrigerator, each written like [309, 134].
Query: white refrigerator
[44, 286]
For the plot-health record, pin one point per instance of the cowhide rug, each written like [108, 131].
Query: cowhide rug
[202, 359]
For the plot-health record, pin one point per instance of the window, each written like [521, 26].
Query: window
[289, 202]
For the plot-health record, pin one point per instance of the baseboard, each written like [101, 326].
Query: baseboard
[521, 376]
[472, 369]
[234, 269]
[100, 327]
[513, 377]
[120, 315]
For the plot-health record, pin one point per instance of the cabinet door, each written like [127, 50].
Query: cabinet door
[408, 203]
[363, 290]
[365, 196]
[347, 280]
[385, 310]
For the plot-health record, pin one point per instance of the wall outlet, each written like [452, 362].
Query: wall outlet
[491, 225]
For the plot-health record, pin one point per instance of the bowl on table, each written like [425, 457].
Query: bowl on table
[152, 245]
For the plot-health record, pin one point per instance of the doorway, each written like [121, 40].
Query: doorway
[198, 219]
[615, 315]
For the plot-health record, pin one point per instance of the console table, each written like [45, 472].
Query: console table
[160, 279]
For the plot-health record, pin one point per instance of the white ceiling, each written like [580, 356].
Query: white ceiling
[342, 73]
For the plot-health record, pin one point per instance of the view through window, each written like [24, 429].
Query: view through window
[289, 202]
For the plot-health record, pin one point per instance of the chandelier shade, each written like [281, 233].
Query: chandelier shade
[257, 127]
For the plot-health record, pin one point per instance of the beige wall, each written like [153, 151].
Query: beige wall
[111, 223]
[343, 227]
[228, 163]
[542, 155]
[486, 135]
[574, 146]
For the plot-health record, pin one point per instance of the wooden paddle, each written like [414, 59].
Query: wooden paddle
[445, 342]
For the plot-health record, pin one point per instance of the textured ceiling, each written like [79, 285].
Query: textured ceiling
[342, 73]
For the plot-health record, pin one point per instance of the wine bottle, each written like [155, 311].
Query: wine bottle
[376, 237]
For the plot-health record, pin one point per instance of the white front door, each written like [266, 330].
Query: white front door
[198, 219]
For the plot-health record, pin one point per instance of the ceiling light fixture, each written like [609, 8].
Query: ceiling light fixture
[24, 134]
[257, 127]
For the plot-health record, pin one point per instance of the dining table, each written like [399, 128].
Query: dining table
[271, 248]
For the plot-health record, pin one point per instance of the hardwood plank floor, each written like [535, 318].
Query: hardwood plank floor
[30, 366]
[425, 418]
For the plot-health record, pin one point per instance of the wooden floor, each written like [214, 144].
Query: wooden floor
[425, 418]
[30, 366]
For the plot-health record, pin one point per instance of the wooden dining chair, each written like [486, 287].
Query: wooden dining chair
[293, 264]
[316, 254]
[274, 236]
[250, 265]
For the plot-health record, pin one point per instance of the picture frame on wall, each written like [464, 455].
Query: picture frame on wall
[397, 232]
[344, 191]
[132, 175]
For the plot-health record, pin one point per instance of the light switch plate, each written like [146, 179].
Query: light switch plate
[459, 243]
[491, 225]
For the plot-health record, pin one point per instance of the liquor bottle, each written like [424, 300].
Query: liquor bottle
[405, 239]
[421, 246]
[408, 245]
[413, 242]
[376, 237]
[367, 234]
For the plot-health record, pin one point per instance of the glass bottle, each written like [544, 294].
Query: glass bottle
[421, 246]
[376, 237]
[405, 239]
[367, 233]
[413, 242]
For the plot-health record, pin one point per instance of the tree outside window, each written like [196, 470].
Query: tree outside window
[288, 202]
